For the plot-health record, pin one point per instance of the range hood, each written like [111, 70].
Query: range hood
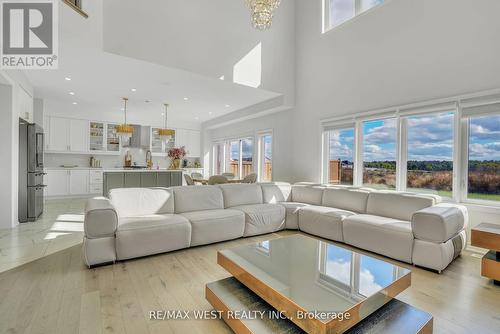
[141, 138]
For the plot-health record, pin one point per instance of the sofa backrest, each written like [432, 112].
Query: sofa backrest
[241, 194]
[307, 194]
[275, 192]
[397, 205]
[346, 199]
[130, 202]
[197, 198]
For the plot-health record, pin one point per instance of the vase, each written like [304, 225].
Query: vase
[175, 163]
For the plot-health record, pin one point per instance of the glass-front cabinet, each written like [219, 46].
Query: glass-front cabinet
[103, 137]
[96, 136]
[113, 140]
[158, 146]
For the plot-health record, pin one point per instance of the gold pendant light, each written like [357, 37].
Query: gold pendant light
[165, 133]
[124, 130]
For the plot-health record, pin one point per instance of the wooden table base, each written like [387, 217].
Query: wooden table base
[230, 297]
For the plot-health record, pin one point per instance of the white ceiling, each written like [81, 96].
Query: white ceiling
[100, 79]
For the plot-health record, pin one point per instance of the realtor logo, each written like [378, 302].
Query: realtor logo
[29, 34]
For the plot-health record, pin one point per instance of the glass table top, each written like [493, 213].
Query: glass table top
[317, 275]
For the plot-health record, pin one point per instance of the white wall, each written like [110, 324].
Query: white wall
[280, 123]
[402, 52]
[10, 106]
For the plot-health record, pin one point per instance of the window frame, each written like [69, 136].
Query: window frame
[454, 105]
[464, 161]
[261, 159]
[325, 177]
[326, 26]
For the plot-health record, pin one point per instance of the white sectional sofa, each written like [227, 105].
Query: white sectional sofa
[135, 222]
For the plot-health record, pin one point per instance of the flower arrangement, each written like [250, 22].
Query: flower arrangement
[177, 152]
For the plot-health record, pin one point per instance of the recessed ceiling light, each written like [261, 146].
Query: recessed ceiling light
[185, 99]
[134, 90]
[227, 105]
[210, 113]
[67, 79]
[163, 114]
[147, 101]
[71, 93]
[75, 103]
[197, 118]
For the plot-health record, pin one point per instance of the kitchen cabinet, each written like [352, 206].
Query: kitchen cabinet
[132, 180]
[96, 136]
[62, 182]
[68, 135]
[148, 179]
[78, 135]
[140, 179]
[158, 145]
[78, 182]
[57, 182]
[58, 135]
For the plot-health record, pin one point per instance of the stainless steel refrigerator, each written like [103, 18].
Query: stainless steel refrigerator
[31, 144]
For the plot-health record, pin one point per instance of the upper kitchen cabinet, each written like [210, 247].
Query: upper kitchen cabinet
[103, 138]
[68, 135]
[158, 145]
[190, 139]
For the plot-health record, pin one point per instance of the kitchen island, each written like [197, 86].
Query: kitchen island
[140, 178]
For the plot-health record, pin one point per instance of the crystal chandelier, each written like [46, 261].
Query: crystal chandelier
[124, 130]
[262, 12]
[166, 134]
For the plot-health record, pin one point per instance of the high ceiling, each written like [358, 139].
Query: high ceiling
[99, 79]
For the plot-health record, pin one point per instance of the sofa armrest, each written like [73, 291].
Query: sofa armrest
[440, 222]
[101, 219]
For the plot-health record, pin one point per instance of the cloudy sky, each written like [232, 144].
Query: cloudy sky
[429, 138]
[373, 274]
[247, 148]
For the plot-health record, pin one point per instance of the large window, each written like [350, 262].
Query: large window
[449, 147]
[240, 161]
[379, 153]
[430, 153]
[340, 156]
[265, 157]
[339, 11]
[483, 170]
[234, 158]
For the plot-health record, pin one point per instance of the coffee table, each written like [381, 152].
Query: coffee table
[487, 236]
[300, 284]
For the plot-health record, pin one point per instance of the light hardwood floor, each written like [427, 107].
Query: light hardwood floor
[58, 294]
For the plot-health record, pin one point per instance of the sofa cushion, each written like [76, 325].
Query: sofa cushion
[191, 198]
[307, 194]
[151, 234]
[129, 202]
[262, 218]
[323, 221]
[241, 194]
[396, 205]
[209, 226]
[292, 214]
[276, 192]
[346, 199]
[439, 223]
[385, 236]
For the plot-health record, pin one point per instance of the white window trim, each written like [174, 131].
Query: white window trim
[261, 153]
[325, 22]
[460, 139]
[214, 155]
